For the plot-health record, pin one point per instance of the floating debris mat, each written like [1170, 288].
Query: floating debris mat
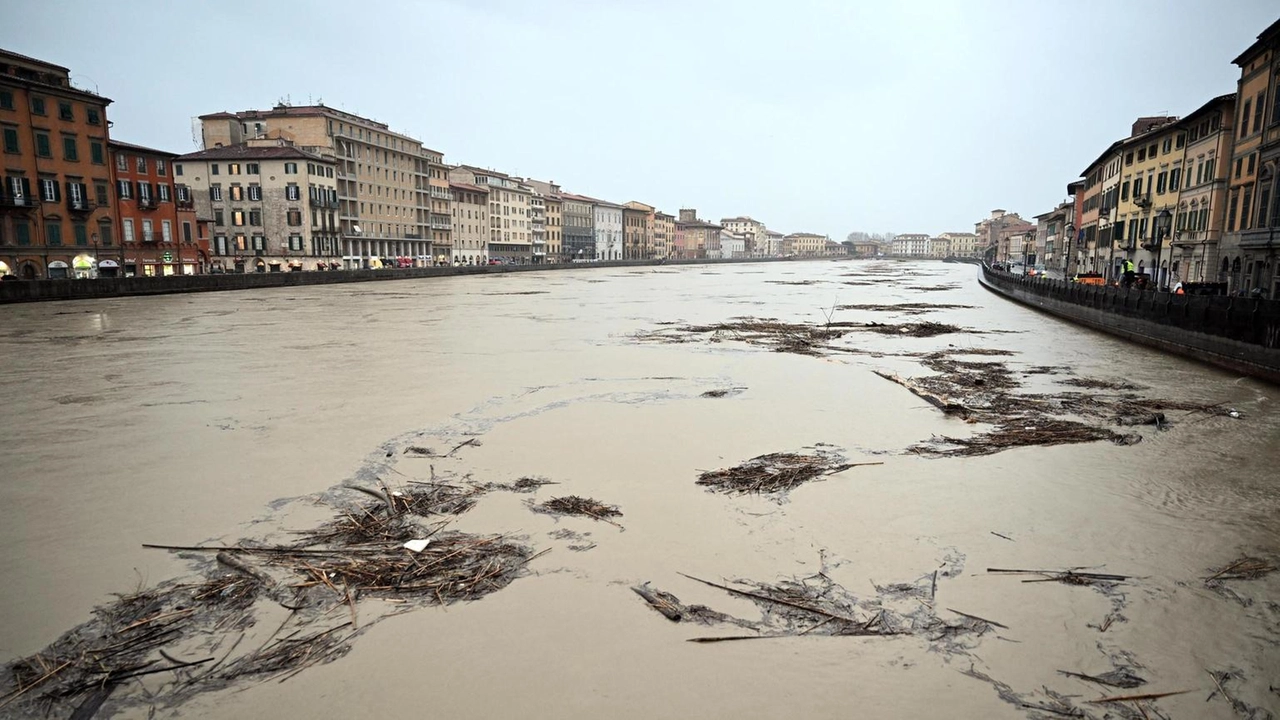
[776, 473]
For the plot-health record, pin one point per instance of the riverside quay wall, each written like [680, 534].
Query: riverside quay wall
[1237, 333]
[15, 291]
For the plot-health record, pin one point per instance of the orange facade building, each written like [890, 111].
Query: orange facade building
[56, 209]
[159, 232]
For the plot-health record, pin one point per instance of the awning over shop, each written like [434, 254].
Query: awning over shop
[108, 264]
[82, 262]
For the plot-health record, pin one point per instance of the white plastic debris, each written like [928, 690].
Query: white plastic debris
[417, 545]
[1234, 413]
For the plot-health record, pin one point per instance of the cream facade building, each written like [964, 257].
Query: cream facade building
[273, 205]
[805, 244]
[470, 227]
[435, 210]
[753, 230]
[510, 200]
[379, 172]
[664, 234]
[963, 244]
[939, 247]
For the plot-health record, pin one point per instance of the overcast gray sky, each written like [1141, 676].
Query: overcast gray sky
[811, 115]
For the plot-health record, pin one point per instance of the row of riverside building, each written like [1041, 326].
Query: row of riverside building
[299, 188]
[1193, 200]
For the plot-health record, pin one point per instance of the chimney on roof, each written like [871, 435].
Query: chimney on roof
[1147, 124]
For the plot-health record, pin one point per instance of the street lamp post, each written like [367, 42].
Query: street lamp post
[1070, 231]
[1162, 230]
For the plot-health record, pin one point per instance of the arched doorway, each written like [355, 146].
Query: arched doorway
[259, 265]
[28, 271]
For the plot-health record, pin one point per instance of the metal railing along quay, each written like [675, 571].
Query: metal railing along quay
[1251, 320]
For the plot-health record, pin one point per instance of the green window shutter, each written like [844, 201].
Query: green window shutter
[11, 140]
[95, 152]
[22, 231]
[69, 149]
[53, 233]
[42, 145]
[82, 234]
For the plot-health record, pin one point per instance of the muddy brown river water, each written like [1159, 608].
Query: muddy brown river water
[211, 418]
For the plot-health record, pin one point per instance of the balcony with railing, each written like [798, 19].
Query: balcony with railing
[79, 205]
[149, 237]
[16, 202]
[147, 203]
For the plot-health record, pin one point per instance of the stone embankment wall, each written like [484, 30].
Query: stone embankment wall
[72, 289]
[1236, 333]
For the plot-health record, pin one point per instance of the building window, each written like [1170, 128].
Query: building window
[177, 169]
[144, 193]
[163, 191]
[124, 189]
[1259, 106]
[1175, 177]
[186, 232]
[242, 243]
[1231, 210]
[37, 105]
[255, 218]
[11, 140]
[295, 242]
[49, 191]
[94, 117]
[1244, 117]
[259, 243]
[251, 168]
[69, 151]
[295, 217]
[142, 166]
[43, 148]
[100, 192]
[291, 168]
[122, 162]
[160, 169]
[147, 235]
[237, 218]
[53, 233]
[128, 229]
[96, 155]
[292, 192]
[166, 229]
[255, 193]
[6, 100]
[184, 194]
[65, 112]
[1253, 163]
[233, 168]
[237, 193]
[1244, 210]
[22, 232]
[218, 218]
[81, 233]
[213, 169]
[220, 245]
